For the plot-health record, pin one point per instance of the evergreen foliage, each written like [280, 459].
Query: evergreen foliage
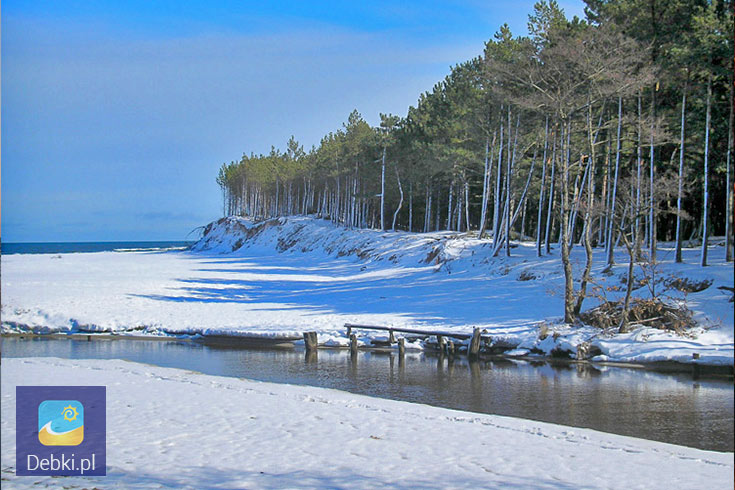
[561, 136]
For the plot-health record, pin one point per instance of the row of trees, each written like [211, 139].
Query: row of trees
[613, 130]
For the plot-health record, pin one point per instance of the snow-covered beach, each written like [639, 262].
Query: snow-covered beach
[289, 276]
[178, 429]
[366, 245]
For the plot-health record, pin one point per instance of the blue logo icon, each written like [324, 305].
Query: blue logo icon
[60, 423]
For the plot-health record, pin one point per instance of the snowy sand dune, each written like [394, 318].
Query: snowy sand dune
[287, 276]
[174, 428]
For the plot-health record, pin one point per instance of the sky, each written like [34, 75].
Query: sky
[116, 116]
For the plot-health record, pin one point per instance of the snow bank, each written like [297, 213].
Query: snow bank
[177, 429]
[242, 236]
[286, 276]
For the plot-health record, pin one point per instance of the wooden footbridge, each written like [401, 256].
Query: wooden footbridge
[447, 342]
[444, 342]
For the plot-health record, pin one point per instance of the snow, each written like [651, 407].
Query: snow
[287, 276]
[178, 429]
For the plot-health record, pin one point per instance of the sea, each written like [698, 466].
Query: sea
[86, 247]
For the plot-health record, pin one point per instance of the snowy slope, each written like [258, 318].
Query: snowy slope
[176, 429]
[525, 286]
[287, 276]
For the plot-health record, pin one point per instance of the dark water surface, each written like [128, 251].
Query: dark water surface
[86, 247]
[663, 407]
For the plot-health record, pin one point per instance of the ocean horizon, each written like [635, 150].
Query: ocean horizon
[10, 248]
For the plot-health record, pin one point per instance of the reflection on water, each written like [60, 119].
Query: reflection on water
[662, 407]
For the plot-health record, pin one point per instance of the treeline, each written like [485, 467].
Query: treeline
[616, 129]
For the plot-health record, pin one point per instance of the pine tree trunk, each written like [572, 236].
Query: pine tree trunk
[541, 190]
[729, 186]
[575, 206]
[613, 198]
[410, 206]
[437, 225]
[638, 182]
[524, 195]
[705, 206]
[508, 176]
[586, 229]
[523, 219]
[449, 205]
[400, 202]
[483, 205]
[552, 180]
[602, 236]
[623, 327]
[680, 192]
[652, 212]
[496, 197]
[382, 192]
[467, 204]
[354, 201]
[305, 197]
[335, 207]
[566, 262]
[587, 246]
[427, 209]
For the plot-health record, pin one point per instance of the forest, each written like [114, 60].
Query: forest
[613, 130]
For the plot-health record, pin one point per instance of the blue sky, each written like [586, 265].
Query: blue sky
[117, 115]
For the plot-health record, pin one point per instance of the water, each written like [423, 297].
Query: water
[662, 407]
[86, 247]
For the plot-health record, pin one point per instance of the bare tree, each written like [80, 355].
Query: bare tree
[630, 210]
